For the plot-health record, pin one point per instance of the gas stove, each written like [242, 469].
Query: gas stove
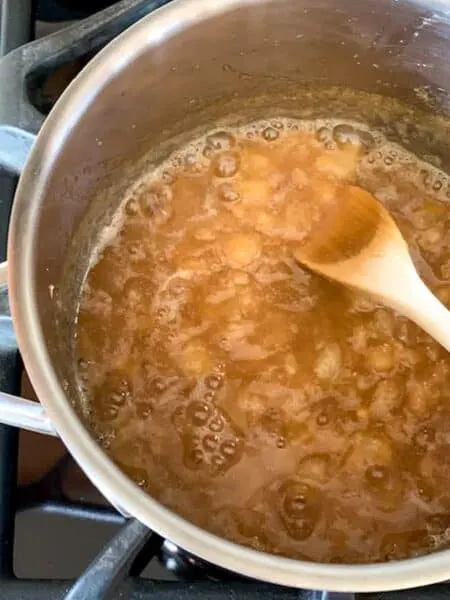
[59, 538]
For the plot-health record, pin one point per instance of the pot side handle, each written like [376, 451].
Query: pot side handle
[24, 414]
[14, 410]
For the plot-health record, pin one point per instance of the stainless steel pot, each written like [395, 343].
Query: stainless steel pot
[186, 64]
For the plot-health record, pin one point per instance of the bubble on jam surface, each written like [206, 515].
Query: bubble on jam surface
[217, 424]
[324, 135]
[387, 486]
[322, 419]
[115, 392]
[226, 164]
[194, 457]
[227, 193]
[348, 134]
[199, 413]
[132, 207]
[193, 164]
[214, 381]
[327, 411]
[139, 476]
[154, 201]
[218, 462]
[299, 508]
[83, 369]
[105, 437]
[210, 441]
[377, 474]
[397, 546]
[143, 410]
[425, 488]
[220, 141]
[345, 134]
[168, 177]
[156, 385]
[434, 181]
[270, 134]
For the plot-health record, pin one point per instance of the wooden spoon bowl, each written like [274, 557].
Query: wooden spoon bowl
[358, 244]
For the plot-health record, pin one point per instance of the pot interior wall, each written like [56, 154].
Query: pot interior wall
[301, 57]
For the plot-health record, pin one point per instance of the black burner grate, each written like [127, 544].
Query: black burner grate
[65, 10]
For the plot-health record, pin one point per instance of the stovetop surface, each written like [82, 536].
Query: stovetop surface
[61, 521]
[66, 10]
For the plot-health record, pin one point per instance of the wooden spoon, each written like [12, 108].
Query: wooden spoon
[358, 244]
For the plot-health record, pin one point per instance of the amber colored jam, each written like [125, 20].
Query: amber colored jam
[256, 399]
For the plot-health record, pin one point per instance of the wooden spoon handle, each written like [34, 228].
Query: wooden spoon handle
[420, 305]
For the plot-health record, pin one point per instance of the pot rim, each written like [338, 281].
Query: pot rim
[114, 484]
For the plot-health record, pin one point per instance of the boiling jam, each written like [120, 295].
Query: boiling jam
[254, 398]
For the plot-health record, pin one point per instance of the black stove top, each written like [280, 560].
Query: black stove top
[66, 10]
[58, 537]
